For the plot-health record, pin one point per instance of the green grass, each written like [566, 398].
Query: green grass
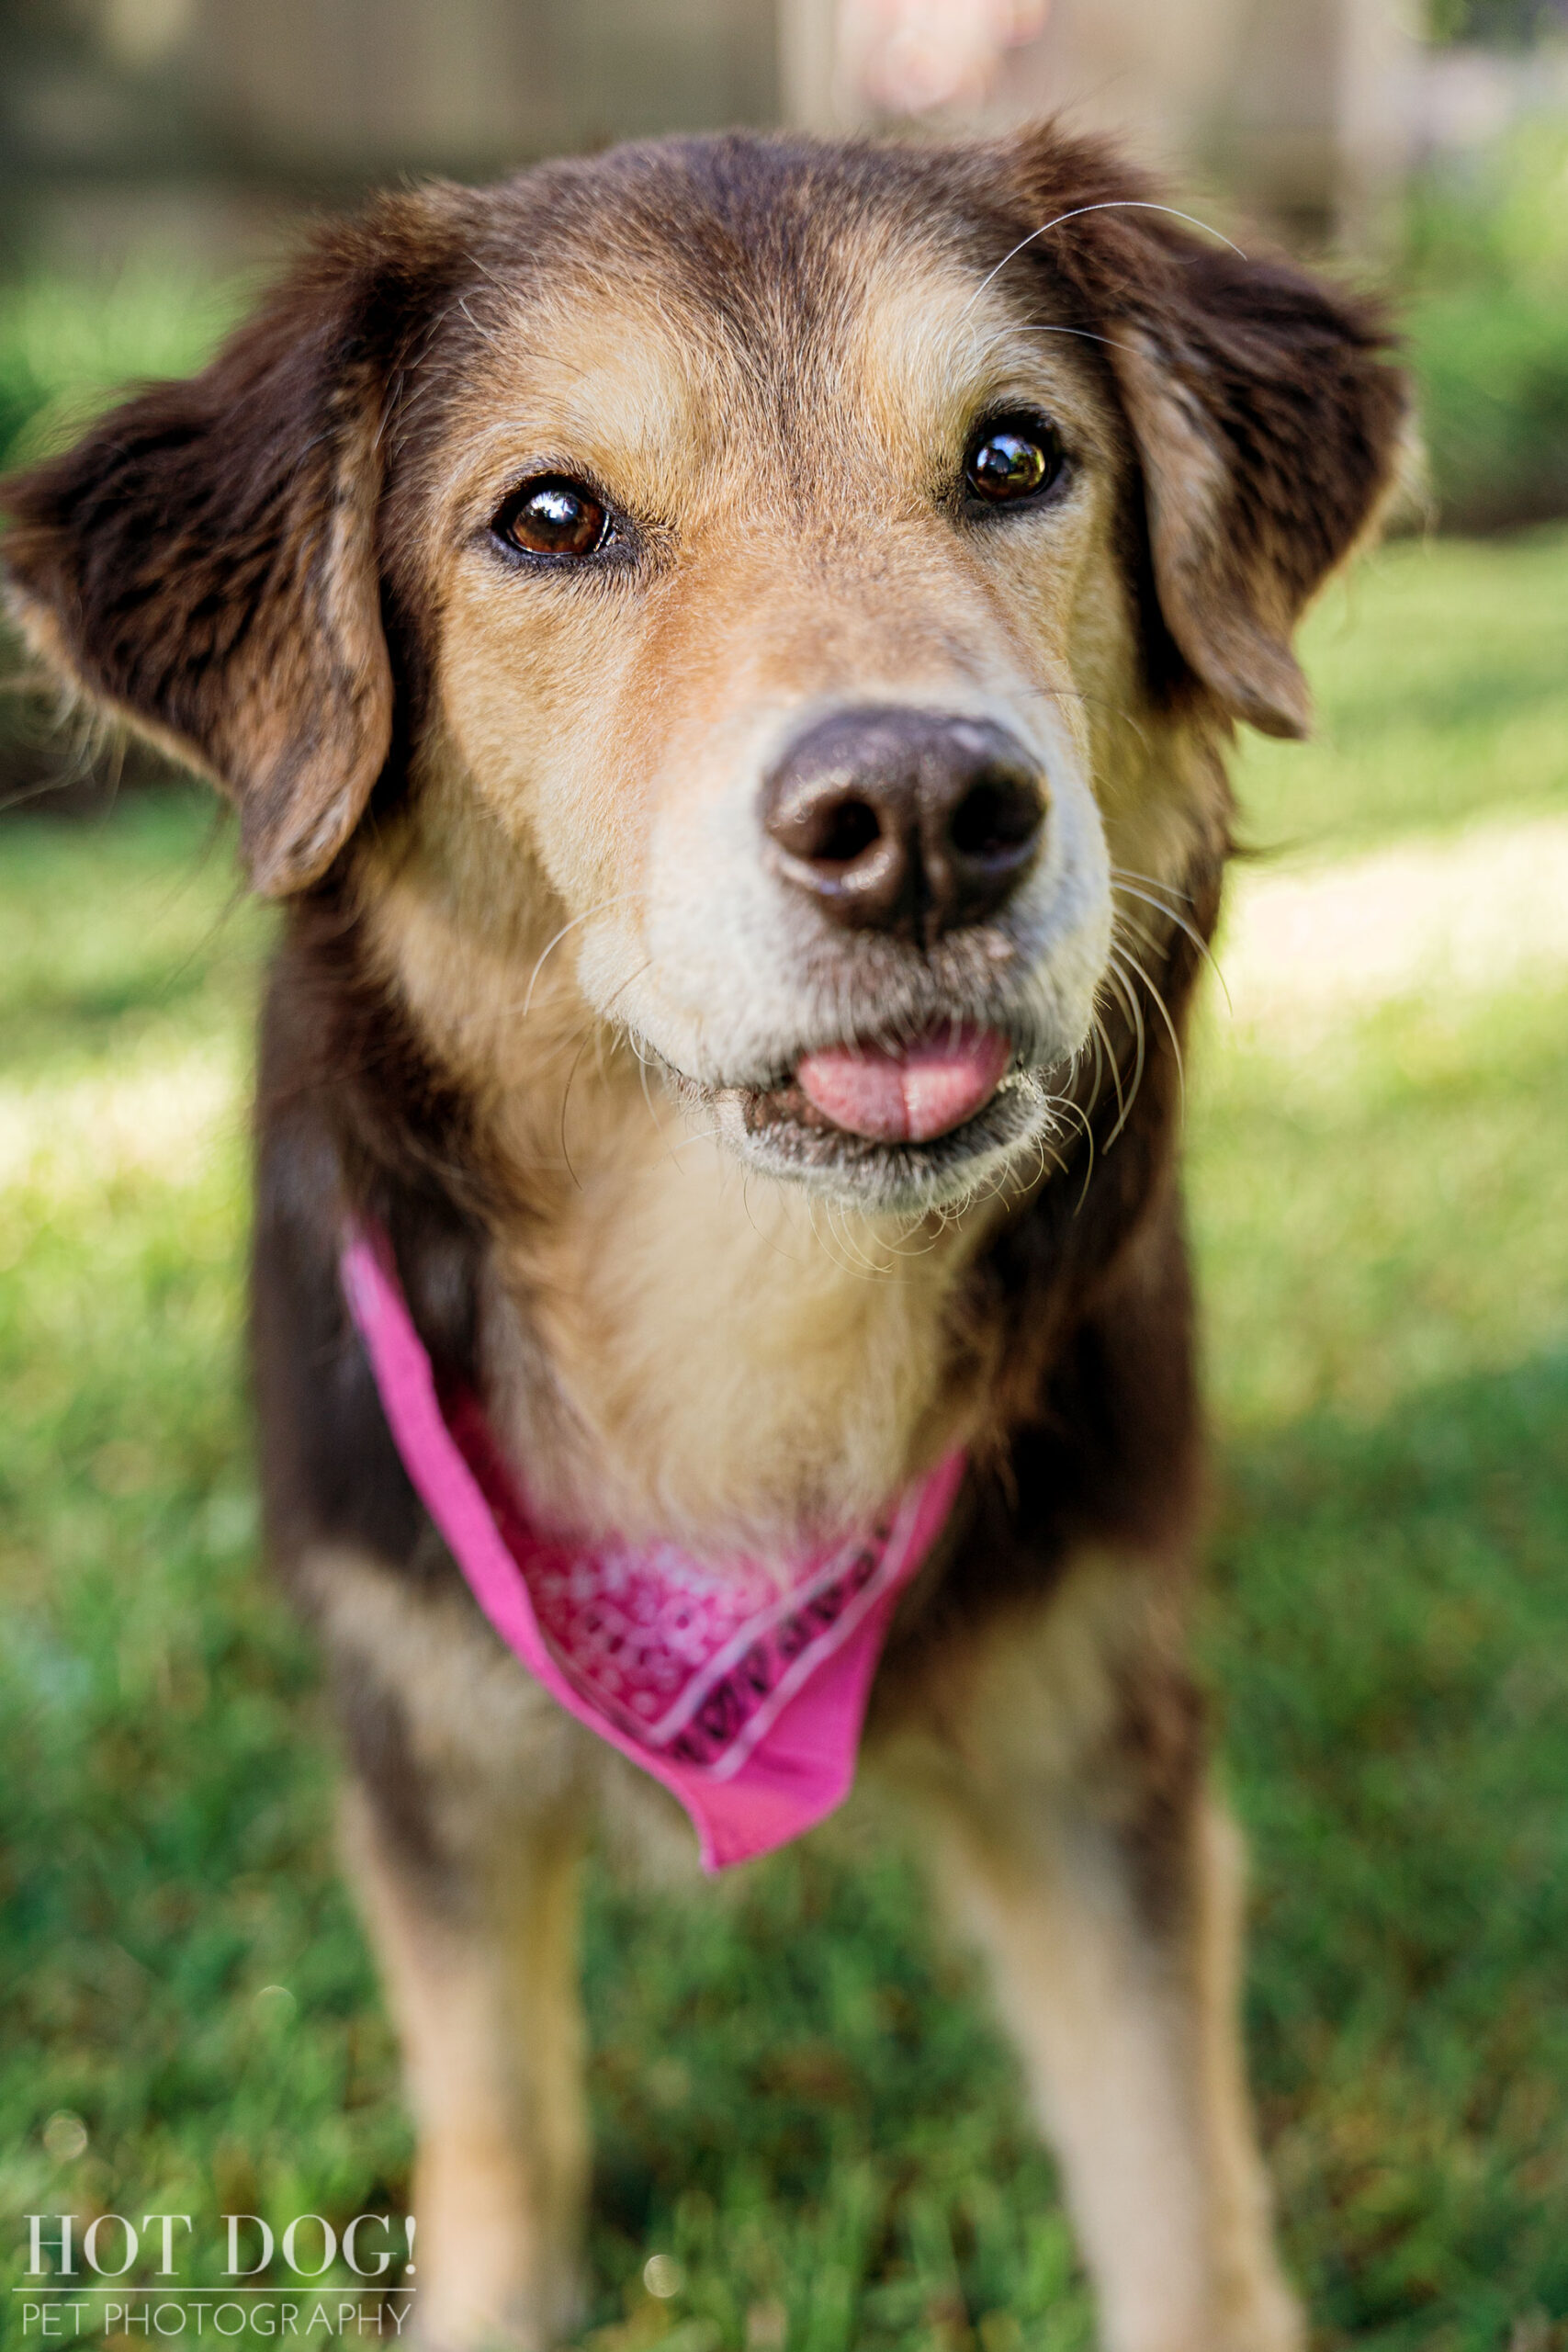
[67, 344]
[1486, 313]
[1438, 668]
[798, 2095]
[1492, 363]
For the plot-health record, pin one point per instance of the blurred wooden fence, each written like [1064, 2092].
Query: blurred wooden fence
[125, 122]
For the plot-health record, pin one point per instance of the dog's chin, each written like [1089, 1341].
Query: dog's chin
[780, 1133]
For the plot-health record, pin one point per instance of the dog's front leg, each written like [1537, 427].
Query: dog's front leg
[480, 1963]
[1078, 1843]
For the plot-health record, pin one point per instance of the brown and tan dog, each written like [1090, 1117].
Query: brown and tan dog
[693, 612]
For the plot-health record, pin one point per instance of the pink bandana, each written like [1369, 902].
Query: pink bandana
[744, 1696]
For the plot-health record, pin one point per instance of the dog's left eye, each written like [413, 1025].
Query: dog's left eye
[552, 516]
[1011, 459]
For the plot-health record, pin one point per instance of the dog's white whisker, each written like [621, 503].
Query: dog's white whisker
[1119, 882]
[766, 1240]
[586, 916]
[850, 1247]
[658, 1127]
[1125, 957]
[1098, 702]
[566, 1097]
[1064, 1103]
[1102, 1037]
[1127, 998]
[1114, 204]
[1129, 874]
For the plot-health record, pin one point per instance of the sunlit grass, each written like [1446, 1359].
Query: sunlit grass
[798, 2097]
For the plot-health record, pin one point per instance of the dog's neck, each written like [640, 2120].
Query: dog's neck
[675, 1349]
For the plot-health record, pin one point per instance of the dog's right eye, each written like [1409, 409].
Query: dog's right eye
[552, 516]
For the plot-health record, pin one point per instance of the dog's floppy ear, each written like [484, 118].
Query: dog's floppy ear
[1270, 428]
[1269, 420]
[203, 562]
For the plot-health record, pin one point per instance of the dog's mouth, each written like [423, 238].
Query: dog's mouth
[911, 1092]
[895, 1123]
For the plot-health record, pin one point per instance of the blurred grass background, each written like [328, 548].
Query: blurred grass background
[1488, 319]
[799, 2098]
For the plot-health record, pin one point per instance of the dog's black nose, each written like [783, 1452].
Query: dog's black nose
[909, 822]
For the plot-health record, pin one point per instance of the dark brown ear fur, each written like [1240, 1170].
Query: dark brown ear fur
[204, 560]
[1268, 421]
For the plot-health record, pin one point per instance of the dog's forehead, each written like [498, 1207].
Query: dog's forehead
[677, 361]
[936, 340]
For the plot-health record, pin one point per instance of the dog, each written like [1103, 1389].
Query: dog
[726, 653]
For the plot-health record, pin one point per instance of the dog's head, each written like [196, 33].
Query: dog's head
[787, 583]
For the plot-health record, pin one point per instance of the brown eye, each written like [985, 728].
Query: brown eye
[552, 516]
[1012, 461]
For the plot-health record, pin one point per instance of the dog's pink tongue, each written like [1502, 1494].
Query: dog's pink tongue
[909, 1093]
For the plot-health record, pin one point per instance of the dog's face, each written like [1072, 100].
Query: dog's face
[751, 585]
[768, 638]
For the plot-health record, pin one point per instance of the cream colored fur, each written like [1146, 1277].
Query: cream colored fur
[1129, 2037]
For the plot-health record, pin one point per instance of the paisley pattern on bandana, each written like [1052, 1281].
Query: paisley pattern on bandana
[743, 1689]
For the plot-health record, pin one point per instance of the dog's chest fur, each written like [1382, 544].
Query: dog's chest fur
[673, 1356]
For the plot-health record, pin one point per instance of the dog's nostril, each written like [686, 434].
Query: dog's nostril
[846, 828]
[913, 821]
[996, 817]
